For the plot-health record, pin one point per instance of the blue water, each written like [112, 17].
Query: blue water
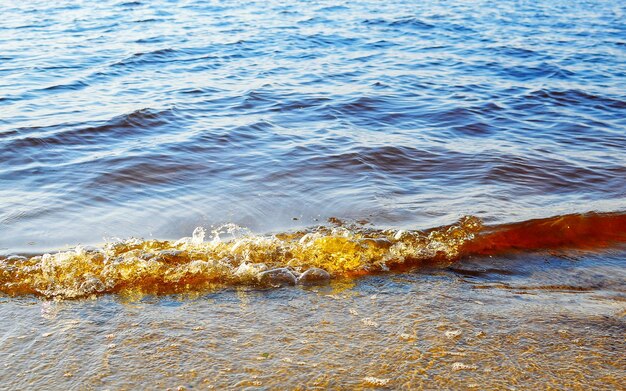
[148, 119]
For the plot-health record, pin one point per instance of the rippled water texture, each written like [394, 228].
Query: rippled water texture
[123, 119]
[488, 324]
[457, 169]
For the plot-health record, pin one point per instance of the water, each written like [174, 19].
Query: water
[139, 119]
[432, 155]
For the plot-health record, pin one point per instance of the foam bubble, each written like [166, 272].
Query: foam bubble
[235, 256]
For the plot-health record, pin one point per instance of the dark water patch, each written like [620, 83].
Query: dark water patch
[328, 41]
[130, 125]
[379, 44]
[334, 8]
[412, 163]
[82, 29]
[199, 91]
[301, 103]
[7, 133]
[411, 22]
[146, 172]
[403, 22]
[548, 288]
[548, 174]
[447, 117]
[149, 20]
[33, 26]
[529, 72]
[313, 21]
[481, 272]
[363, 104]
[258, 100]
[518, 52]
[157, 39]
[569, 97]
[374, 111]
[72, 86]
[54, 67]
[156, 56]
[476, 129]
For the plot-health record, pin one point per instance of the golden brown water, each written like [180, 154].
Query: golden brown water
[536, 304]
[427, 330]
[192, 264]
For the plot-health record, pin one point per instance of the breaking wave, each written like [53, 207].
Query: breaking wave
[233, 255]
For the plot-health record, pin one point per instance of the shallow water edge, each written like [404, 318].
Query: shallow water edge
[235, 256]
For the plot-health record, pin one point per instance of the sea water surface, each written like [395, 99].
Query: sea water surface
[458, 168]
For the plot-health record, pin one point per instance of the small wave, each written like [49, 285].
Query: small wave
[138, 173]
[330, 40]
[72, 86]
[570, 97]
[156, 39]
[130, 4]
[511, 51]
[152, 266]
[155, 56]
[406, 22]
[118, 127]
[149, 20]
[412, 23]
[333, 8]
[529, 72]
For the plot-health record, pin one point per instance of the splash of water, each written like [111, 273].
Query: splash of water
[153, 266]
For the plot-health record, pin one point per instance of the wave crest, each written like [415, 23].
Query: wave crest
[235, 256]
[154, 266]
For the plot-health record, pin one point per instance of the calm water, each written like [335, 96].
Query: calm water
[349, 136]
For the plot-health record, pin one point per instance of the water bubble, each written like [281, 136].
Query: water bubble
[375, 381]
[198, 235]
[459, 366]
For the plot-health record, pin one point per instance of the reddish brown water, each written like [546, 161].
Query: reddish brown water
[589, 231]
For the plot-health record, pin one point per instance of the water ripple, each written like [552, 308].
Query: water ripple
[134, 117]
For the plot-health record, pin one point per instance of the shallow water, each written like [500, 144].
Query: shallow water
[457, 167]
[505, 323]
[235, 256]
